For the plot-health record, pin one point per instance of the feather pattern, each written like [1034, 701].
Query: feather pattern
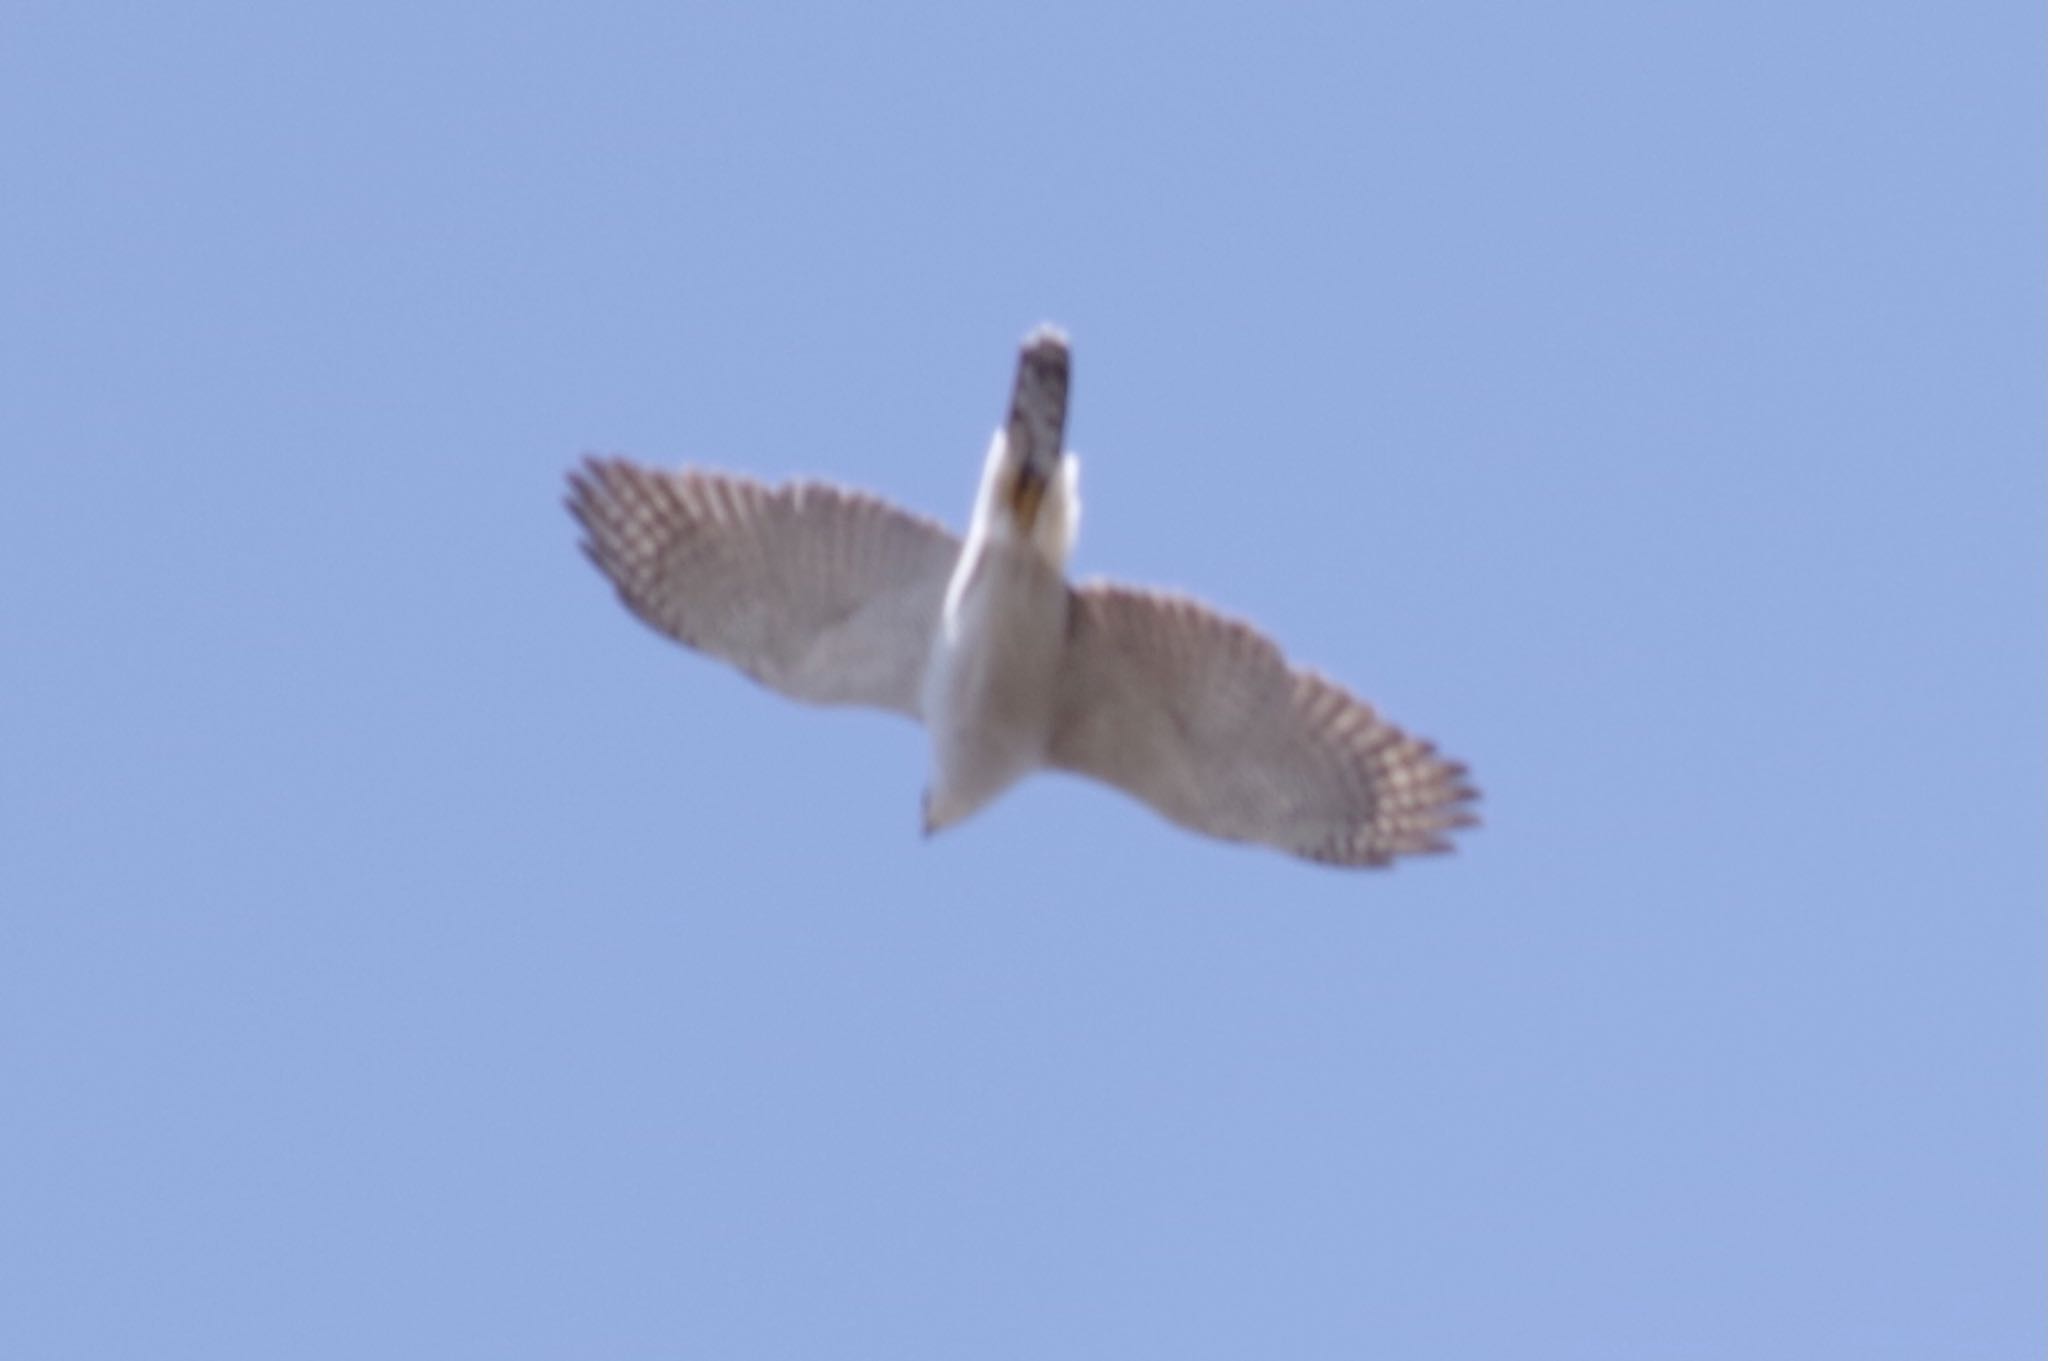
[835, 597]
[823, 594]
[1200, 716]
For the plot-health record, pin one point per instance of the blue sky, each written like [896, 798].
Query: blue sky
[403, 953]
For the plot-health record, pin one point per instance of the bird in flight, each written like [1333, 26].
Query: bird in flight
[833, 596]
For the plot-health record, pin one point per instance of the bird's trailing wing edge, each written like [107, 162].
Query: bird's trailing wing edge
[1200, 716]
[821, 593]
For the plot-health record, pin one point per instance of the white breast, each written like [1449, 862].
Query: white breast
[991, 682]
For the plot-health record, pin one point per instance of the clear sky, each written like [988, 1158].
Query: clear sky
[403, 953]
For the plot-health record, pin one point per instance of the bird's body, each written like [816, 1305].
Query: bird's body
[834, 597]
[991, 684]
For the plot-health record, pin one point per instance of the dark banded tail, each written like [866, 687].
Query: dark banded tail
[1037, 427]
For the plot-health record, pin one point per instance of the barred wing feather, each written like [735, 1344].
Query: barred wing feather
[824, 594]
[1201, 717]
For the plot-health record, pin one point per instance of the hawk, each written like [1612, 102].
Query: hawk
[833, 596]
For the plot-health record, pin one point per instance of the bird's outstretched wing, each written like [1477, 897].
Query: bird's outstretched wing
[824, 594]
[1201, 717]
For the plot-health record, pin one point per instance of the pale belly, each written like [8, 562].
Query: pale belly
[991, 685]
